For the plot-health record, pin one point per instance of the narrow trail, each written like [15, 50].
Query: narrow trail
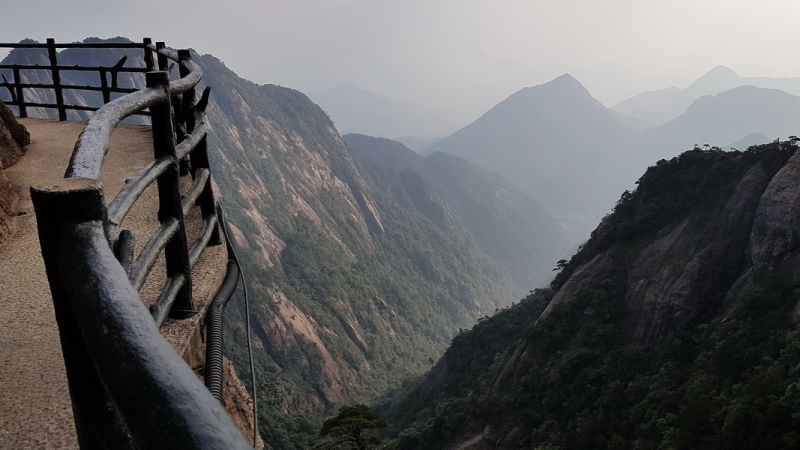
[35, 410]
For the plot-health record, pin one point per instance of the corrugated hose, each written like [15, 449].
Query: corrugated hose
[214, 353]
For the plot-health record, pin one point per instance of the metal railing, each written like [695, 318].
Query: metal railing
[129, 388]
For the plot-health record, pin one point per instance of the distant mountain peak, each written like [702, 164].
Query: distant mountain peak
[661, 106]
[348, 87]
[564, 84]
[566, 81]
[722, 70]
[564, 78]
[720, 75]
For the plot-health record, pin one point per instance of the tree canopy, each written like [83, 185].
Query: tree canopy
[349, 430]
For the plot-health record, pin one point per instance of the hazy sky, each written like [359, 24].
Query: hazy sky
[459, 53]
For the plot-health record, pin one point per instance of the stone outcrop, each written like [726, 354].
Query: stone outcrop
[744, 222]
[8, 206]
[237, 402]
[775, 240]
[13, 138]
[686, 260]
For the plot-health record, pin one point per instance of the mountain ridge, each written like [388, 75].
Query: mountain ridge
[661, 106]
[727, 117]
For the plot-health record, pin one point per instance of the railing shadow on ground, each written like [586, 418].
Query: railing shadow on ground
[129, 388]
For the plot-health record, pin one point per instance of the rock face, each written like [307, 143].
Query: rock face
[8, 201]
[774, 241]
[710, 218]
[238, 403]
[13, 138]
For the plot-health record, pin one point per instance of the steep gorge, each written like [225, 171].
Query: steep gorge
[351, 292]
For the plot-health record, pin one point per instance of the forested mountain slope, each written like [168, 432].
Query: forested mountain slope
[674, 326]
[454, 194]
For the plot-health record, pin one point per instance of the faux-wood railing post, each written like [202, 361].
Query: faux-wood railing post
[23, 111]
[51, 53]
[200, 161]
[104, 86]
[184, 114]
[176, 252]
[163, 64]
[60, 208]
[163, 61]
[148, 55]
[189, 97]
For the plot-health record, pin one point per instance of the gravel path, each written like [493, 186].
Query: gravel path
[35, 409]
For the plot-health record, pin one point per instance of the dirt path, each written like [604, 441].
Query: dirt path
[35, 409]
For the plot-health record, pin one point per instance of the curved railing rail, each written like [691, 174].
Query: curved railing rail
[129, 387]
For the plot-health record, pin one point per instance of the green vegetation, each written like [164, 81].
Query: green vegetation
[351, 429]
[733, 383]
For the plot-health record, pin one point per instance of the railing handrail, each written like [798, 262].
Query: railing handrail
[74, 45]
[92, 146]
[113, 351]
[74, 68]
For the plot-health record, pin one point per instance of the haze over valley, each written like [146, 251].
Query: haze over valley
[564, 148]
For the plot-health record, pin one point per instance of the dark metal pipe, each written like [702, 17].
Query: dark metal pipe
[213, 371]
